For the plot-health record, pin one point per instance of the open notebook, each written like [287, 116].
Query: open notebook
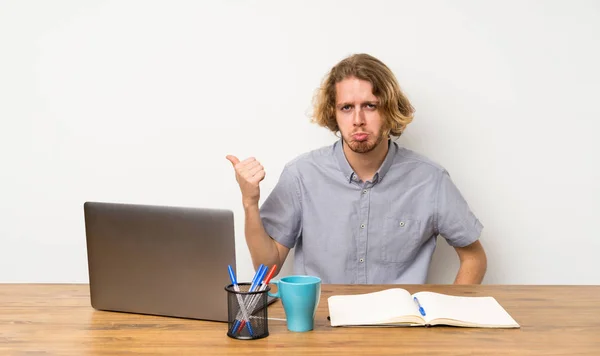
[397, 306]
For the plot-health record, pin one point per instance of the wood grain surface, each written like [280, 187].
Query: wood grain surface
[57, 319]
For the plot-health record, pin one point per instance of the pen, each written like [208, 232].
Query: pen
[267, 279]
[421, 310]
[258, 277]
[263, 286]
[241, 303]
[241, 321]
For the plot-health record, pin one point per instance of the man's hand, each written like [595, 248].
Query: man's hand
[248, 174]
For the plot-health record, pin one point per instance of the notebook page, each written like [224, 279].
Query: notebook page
[477, 311]
[370, 308]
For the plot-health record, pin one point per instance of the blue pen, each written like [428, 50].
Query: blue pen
[421, 310]
[256, 275]
[262, 270]
[241, 303]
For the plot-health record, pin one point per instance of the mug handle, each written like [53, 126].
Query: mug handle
[276, 295]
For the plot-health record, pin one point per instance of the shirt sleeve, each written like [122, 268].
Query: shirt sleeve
[281, 212]
[455, 220]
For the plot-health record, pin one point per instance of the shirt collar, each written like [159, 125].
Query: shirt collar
[349, 172]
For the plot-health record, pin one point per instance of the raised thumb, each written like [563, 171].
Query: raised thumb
[233, 159]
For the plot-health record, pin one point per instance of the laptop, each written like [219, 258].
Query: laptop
[159, 260]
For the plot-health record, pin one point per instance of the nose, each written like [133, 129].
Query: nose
[358, 118]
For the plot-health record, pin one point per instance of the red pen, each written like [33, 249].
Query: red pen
[268, 278]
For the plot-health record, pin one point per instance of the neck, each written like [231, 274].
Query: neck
[365, 165]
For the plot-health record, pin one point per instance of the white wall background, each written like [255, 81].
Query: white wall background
[140, 101]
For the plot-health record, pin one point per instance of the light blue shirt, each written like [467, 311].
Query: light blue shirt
[383, 231]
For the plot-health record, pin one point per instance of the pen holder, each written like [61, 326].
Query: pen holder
[247, 307]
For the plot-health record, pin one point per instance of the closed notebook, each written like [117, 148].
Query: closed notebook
[397, 307]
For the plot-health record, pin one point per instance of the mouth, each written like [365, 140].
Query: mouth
[360, 136]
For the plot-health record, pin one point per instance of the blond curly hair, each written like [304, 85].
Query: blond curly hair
[394, 106]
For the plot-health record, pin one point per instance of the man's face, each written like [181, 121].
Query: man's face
[357, 115]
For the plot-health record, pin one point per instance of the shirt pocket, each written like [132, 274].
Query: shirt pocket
[402, 237]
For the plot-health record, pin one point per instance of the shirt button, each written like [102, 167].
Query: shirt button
[365, 191]
[362, 260]
[401, 223]
[362, 226]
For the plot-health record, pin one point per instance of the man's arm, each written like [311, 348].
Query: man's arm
[263, 249]
[473, 264]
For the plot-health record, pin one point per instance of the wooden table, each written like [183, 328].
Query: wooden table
[37, 319]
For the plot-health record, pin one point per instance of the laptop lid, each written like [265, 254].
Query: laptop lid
[169, 261]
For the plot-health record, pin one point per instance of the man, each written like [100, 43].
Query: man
[363, 210]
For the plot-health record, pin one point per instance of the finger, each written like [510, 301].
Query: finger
[259, 176]
[248, 174]
[248, 166]
[233, 159]
[247, 161]
[255, 170]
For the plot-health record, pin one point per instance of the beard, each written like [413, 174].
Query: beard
[364, 146]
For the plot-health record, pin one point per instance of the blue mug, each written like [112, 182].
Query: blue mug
[300, 296]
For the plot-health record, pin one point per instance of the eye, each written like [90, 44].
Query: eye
[371, 106]
[345, 108]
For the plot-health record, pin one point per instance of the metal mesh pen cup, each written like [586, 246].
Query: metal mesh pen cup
[248, 318]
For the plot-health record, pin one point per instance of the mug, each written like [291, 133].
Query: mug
[300, 296]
